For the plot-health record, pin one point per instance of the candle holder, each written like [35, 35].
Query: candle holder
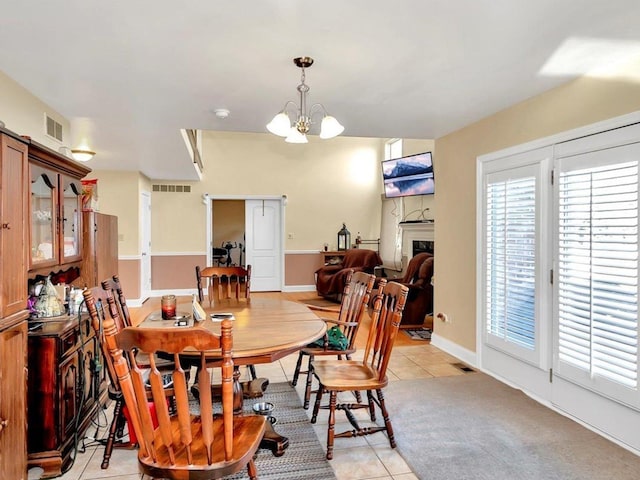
[168, 306]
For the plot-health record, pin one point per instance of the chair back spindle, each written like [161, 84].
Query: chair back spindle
[385, 322]
[183, 444]
[114, 286]
[223, 282]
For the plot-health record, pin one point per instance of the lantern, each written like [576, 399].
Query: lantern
[344, 238]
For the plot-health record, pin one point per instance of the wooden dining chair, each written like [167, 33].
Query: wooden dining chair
[224, 282]
[184, 445]
[368, 374]
[113, 284]
[101, 305]
[355, 298]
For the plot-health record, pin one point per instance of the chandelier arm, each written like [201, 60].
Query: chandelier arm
[286, 105]
[317, 107]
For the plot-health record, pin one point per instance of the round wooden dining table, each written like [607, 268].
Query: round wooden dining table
[264, 331]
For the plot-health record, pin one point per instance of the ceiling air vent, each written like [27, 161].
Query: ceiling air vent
[172, 188]
[54, 129]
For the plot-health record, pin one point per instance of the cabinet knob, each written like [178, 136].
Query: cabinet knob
[7, 226]
[3, 424]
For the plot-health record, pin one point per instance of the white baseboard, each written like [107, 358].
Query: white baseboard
[136, 302]
[299, 288]
[467, 356]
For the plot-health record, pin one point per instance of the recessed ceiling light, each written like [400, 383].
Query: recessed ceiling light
[221, 112]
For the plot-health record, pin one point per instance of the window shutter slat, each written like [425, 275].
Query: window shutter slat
[598, 265]
[511, 260]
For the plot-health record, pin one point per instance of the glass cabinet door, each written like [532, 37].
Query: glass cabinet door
[44, 238]
[70, 214]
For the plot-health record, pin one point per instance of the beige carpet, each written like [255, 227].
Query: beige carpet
[474, 427]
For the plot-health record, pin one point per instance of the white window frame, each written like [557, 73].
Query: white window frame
[589, 152]
[534, 163]
[611, 417]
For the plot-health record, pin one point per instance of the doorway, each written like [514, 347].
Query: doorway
[248, 230]
[145, 245]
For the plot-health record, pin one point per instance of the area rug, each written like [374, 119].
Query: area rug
[418, 333]
[305, 458]
[473, 427]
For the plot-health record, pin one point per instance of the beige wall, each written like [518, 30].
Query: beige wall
[327, 182]
[578, 103]
[119, 195]
[23, 113]
[422, 206]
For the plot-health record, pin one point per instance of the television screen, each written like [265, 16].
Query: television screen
[410, 175]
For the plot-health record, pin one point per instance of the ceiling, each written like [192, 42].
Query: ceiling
[130, 74]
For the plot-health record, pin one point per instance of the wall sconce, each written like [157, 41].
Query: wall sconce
[82, 154]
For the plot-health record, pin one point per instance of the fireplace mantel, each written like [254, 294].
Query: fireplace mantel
[415, 231]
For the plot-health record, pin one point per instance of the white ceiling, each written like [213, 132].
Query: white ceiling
[130, 74]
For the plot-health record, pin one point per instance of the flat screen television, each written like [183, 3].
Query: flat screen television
[407, 176]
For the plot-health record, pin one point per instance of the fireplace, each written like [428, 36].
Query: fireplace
[422, 246]
[417, 237]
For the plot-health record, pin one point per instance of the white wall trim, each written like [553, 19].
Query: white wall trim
[178, 292]
[467, 356]
[299, 288]
[176, 254]
[135, 302]
[129, 257]
[206, 196]
[301, 252]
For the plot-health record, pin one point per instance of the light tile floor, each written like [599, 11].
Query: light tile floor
[360, 458]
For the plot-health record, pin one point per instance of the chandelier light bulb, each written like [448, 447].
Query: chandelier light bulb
[295, 136]
[330, 127]
[280, 125]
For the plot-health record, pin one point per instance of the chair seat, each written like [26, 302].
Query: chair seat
[244, 447]
[346, 375]
[142, 359]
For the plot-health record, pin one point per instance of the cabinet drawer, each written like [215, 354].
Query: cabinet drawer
[68, 343]
[73, 338]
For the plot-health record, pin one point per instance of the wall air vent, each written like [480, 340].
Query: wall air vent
[172, 188]
[53, 128]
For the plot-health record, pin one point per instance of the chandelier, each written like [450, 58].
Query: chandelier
[296, 132]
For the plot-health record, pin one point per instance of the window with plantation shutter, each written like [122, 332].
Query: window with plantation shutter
[511, 258]
[511, 248]
[558, 278]
[597, 263]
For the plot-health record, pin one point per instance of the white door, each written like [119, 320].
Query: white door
[145, 245]
[263, 228]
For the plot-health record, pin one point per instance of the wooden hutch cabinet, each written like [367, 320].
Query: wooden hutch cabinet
[66, 382]
[55, 207]
[13, 302]
[67, 385]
